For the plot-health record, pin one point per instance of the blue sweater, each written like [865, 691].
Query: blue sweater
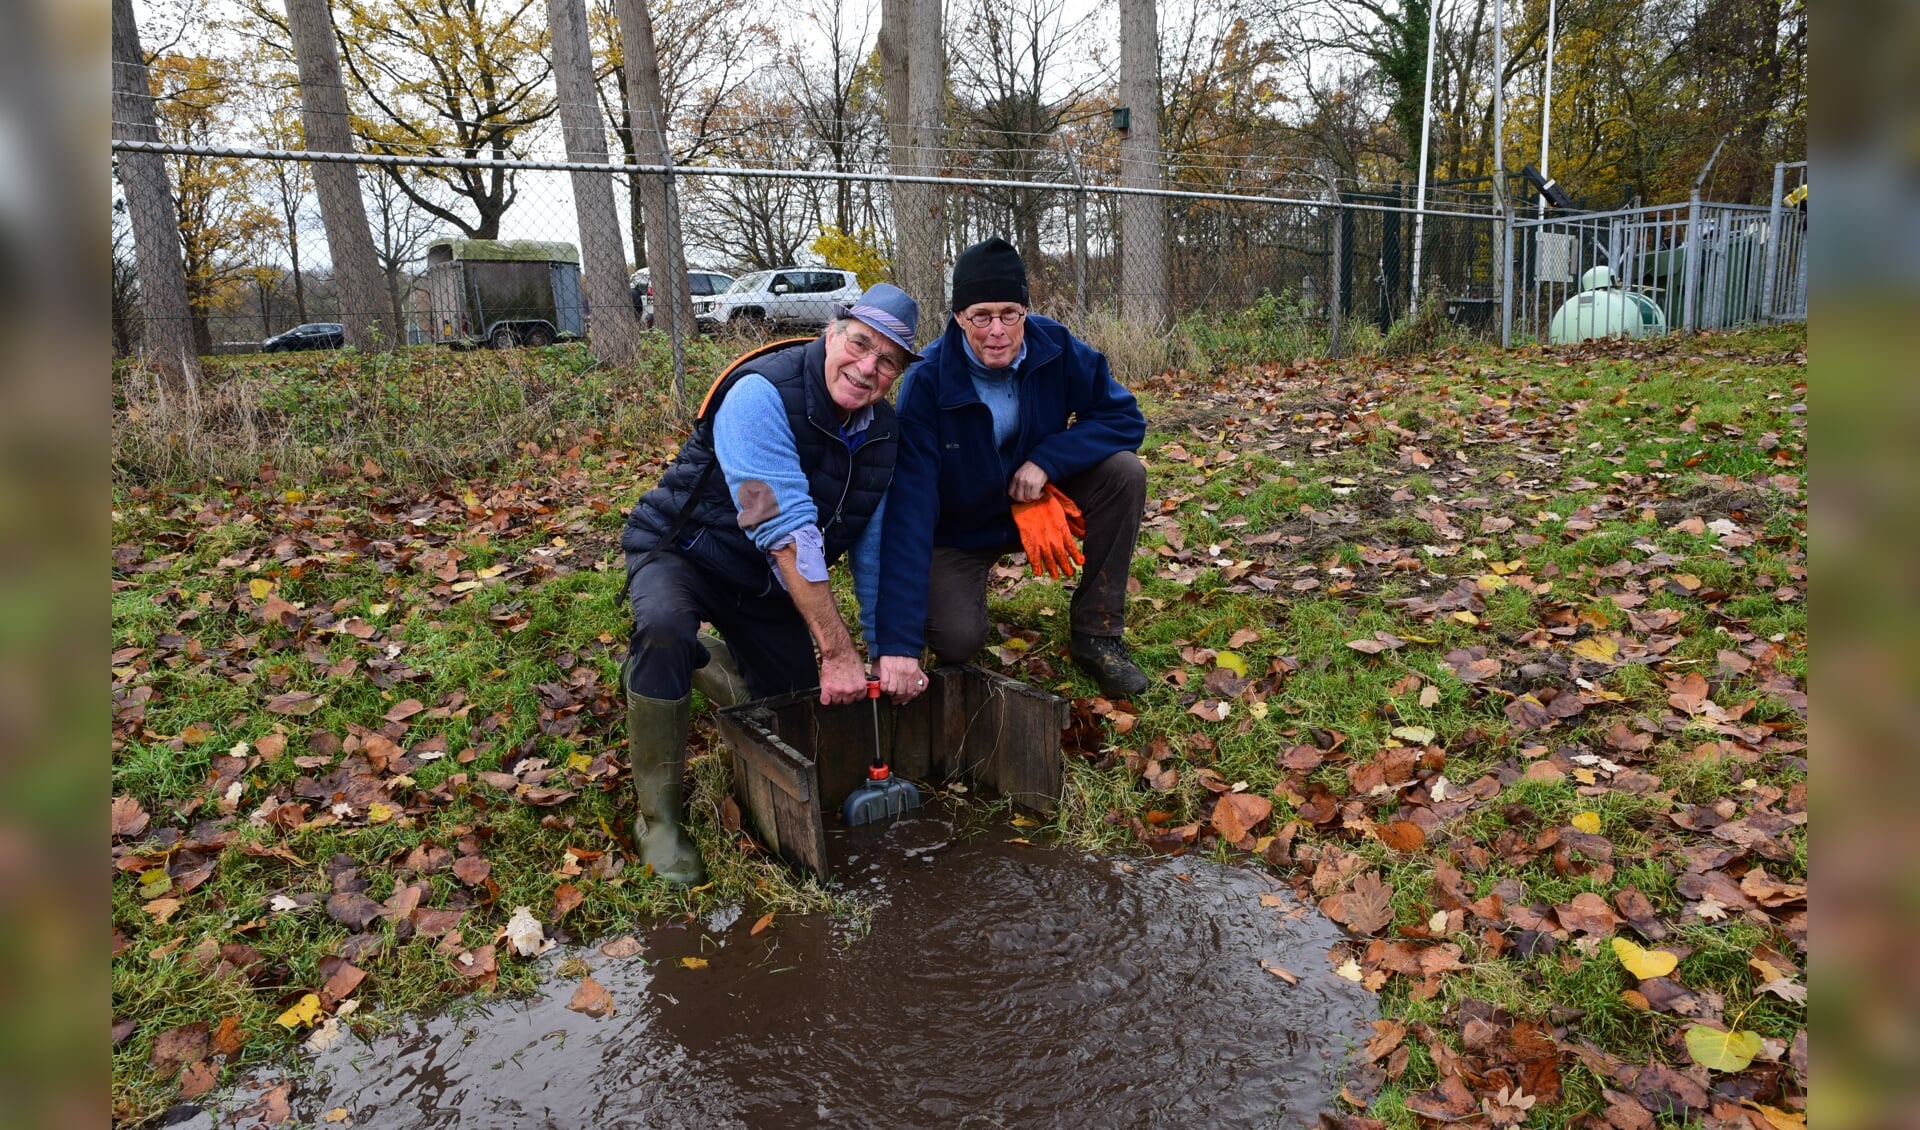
[754, 443]
[950, 481]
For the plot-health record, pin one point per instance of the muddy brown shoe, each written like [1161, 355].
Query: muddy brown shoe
[1106, 659]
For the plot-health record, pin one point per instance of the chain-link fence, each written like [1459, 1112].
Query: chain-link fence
[256, 252]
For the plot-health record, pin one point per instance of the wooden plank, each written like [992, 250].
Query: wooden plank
[759, 796]
[909, 733]
[807, 844]
[948, 724]
[760, 755]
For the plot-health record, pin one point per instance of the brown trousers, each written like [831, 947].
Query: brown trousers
[1111, 495]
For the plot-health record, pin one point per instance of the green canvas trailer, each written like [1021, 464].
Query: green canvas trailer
[504, 292]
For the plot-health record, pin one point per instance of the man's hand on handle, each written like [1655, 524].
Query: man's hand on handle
[901, 677]
[842, 680]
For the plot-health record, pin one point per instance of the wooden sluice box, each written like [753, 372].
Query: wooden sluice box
[795, 761]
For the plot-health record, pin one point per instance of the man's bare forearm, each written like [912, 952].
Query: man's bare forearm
[841, 678]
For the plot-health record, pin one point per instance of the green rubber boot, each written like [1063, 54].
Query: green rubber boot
[719, 680]
[657, 745]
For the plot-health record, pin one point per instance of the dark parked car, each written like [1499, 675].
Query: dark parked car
[313, 335]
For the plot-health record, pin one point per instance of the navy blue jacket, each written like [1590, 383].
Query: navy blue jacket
[846, 484]
[949, 484]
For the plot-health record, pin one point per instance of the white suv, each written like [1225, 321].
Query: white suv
[802, 296]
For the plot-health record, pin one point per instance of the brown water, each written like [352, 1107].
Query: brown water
[993, 984]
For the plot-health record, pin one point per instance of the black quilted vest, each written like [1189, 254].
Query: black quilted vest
[846, 485]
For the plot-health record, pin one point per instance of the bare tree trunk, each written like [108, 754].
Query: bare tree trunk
[299, 277]
[323, 103]
[613, 330]
[1144, 297]
[667, 264]
[913, 66]
[167, 340]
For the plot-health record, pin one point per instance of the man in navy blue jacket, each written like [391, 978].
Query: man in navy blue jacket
[1009, 414]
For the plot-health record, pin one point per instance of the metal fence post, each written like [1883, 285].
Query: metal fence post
[1079, 238]
[1776, 241]
[1689, 294]
[1506, 284]
[1336, 221]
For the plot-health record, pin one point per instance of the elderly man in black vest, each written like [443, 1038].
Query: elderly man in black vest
[785, 474]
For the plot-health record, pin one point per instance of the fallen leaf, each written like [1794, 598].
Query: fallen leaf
[304, 1014]
[1209, 710]
[1286, 975]
[525, 934]
[401, 711]
[1365, 908]
[693, 963]
[352, 909]
[471, 869]
[274, 1108]
[1780, 1119]
[197, 1080]
[1722, 1051]
[344, 981]
[129, 819]
[1644, 963]
[477, 964]
[765, 921]
[1236, 815]
[592, 999]
[566, 896]
[1600, 649]
[1401, 835]
[294, 702]
[1450, 1101]
[621, 947]
[176, 1047]
[337, 1114]
[1588, 822]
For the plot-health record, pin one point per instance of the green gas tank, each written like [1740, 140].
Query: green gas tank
[1601, 309]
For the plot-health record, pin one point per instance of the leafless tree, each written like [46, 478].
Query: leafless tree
[168, 323]
[913, 65]
[832, 93]
[1017, 79]
[673, 305]
[1144, 293]
[329, 130]
[614, 331]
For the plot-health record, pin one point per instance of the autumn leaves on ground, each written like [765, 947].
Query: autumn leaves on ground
[1500, 658]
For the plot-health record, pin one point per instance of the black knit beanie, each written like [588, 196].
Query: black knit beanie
[989, 271]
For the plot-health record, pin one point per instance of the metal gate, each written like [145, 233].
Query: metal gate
[1705, 265]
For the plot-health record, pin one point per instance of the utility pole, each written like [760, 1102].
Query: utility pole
[1503, 264]
[1546, 108]
[1426, 129]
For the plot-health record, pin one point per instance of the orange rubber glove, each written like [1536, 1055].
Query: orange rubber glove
[1076, 522]
[1046, 533]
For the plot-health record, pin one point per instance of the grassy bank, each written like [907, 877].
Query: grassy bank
[1502, 656]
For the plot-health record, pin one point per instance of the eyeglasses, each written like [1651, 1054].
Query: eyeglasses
[860, 347]
[1008, 318]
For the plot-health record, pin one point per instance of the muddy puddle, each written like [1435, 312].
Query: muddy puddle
[986, 983]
